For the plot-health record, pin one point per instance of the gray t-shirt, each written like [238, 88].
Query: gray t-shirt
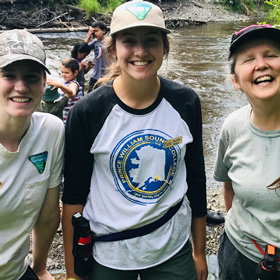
[250, 158]
[99, 58]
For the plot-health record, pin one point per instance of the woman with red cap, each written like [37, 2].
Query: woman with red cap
[248, 159]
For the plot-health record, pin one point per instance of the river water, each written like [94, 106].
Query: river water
[198, 59]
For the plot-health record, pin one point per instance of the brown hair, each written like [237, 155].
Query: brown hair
[113, 71]
[232, 63]
[71, 63]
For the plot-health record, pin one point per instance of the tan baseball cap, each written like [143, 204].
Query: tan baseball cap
[18, 45]
[137, 14]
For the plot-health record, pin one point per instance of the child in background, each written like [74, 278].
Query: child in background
[80, 51]
[48, 104]
[98, 30]
[70, 86]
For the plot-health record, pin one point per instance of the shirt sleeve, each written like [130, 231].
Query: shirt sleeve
[194, 159]
[84, 123]
[92, 44]
[220, 168]
[187, 103]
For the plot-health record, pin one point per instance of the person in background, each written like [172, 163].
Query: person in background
[98, 31]
[80, 51]
[134, 162]
[31, 159]
[70, 86]
[248, 159]
[52, 103]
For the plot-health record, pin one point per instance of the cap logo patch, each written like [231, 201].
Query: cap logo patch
[140, 10]
[39, 161]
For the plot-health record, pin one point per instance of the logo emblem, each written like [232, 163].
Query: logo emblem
[140, 10]
[142, 168]
[39, 161]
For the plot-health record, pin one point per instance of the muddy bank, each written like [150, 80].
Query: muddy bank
[35, 16]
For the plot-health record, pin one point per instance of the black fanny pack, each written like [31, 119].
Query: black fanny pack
[136, 232]
[83, 238]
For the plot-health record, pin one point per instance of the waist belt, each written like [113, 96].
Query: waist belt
[261, 250]
[136, 232]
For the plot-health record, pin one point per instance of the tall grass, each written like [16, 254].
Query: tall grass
[102, 6]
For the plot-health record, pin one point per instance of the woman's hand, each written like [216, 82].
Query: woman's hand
[200, 266]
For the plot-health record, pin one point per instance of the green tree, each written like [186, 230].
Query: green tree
[274, 13]
[99, 6]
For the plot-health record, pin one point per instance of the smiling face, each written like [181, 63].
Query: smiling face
[257, 70]
[67, 74]
[22, 85]
[140, 52]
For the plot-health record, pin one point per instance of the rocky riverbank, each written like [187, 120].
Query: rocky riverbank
[177, 13]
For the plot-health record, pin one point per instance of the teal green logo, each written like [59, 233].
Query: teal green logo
[140, 10]
[39, 161]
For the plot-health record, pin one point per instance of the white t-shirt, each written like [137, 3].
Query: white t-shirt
[130, 166]
[25, 177]
[250, 158]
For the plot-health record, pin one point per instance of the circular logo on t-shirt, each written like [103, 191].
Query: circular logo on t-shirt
[143, 166]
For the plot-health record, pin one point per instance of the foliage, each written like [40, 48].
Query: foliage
[112, 4]
[102, 6]
[274, 13]
[90, 6]
[244, 6]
